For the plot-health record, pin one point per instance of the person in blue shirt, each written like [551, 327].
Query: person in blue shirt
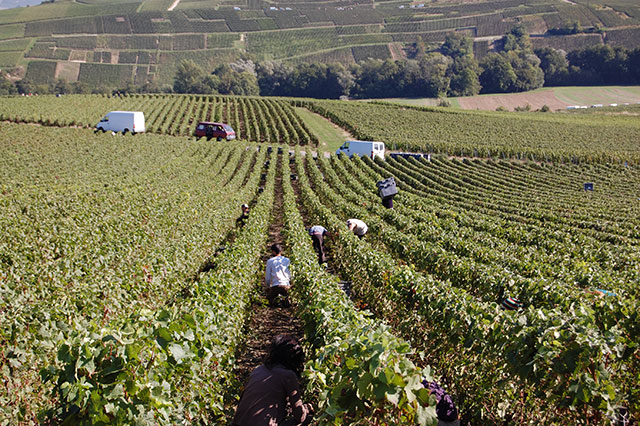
[602, 293]
[317, 233]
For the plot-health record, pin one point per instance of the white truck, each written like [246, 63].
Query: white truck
[362, 148]
[122, 121]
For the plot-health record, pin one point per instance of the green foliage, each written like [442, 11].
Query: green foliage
[259, 120]
[487, 134]
[517, 39]
[554, 65]
[105, 74]
[376, 51]
[497, 74]
[14, 45]
[523, 351]
[457, 45]
[41, 71]
[6, 88]
[127, 224]
[175, 363]
[11, 31]
[48, 51]
[463, 74]
[227, 81]
[361, 372]
[188, 78]
[10, 59]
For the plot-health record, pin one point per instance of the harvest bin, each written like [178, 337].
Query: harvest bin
[387, 188]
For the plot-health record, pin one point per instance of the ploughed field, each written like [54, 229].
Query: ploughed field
[117, 306]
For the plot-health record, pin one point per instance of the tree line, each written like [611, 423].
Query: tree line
[453, 70]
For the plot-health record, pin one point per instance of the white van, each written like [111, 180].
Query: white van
[122, 121]
[362, 148]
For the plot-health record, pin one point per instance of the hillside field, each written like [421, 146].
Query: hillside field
[111, 43]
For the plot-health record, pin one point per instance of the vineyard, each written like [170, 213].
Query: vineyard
[93, 33]
[254, 119]
[533, 136]
[584, 138]
[119, 307]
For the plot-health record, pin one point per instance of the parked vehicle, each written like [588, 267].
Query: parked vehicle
[215, 130]
[122, 121]
[362, 148]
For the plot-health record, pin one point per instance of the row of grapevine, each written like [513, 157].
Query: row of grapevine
[450, 256]
[586, 239]
[254, 119]
[523, 136]
[175, 364]
[96, 232]
[354, 355]
[504, 347]
[124, 338]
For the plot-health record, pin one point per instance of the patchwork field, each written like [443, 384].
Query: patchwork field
[344, 32]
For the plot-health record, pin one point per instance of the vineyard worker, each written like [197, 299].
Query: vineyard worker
[602, 293]
[446, 410]
[317, 233]
[277, 277]
[272, 385]
[244, 216]
[358, 227]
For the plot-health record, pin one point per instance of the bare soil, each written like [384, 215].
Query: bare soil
[512, 100]
[397, 53]
[68, 70]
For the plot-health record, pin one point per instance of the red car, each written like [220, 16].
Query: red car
[215, 130]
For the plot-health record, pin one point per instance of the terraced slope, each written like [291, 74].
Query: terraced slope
[105, 44]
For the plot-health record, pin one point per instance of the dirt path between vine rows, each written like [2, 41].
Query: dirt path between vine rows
[267, 322]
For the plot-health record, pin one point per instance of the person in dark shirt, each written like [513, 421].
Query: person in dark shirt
[274, 385]
[318, 233]
[244, 216]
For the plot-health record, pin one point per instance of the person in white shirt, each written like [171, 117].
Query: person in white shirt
[358, 227]
[277, 277]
